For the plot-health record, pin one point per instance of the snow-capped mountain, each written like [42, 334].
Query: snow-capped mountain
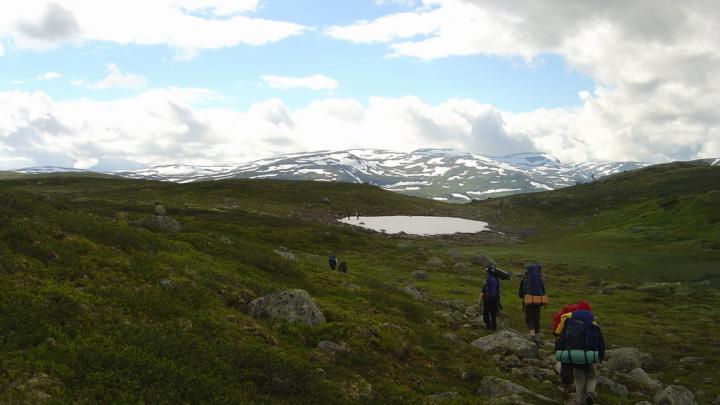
[442, 174]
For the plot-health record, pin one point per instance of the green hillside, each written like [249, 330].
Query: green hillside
[98, 310]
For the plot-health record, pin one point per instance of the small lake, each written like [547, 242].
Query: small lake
[418, 225]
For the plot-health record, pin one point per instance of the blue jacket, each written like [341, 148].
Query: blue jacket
[491, 287]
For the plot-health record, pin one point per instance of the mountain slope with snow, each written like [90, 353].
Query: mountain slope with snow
[442, 174]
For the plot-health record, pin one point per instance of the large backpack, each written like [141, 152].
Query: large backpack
[534, 288]
[580, 340]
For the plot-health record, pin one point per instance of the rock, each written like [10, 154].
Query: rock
[285, 253]
[161, 223]
[329, 347]
[612, 387]
[473, 310]
[539, 374]
[482, 260]
[507, 341]
[350, 286]
[494, 387]
[326, 200]
[640, 377]
[294, 306]
[675, 395]
[691, 361]
[167, 283]
[403, 245]
[436, 262]
[420, 275]
[450, 336]
[462, 267]
[643, 403]
[412, 291]
[625, 359]
[443, 396]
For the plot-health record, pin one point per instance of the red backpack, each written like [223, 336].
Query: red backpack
[582, 304]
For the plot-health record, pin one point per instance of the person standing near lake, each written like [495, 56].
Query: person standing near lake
[532, 292]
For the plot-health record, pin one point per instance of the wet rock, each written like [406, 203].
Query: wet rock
[612, 387]
[507, 341]
[412, 291]
[420, 275]
[294, 306]
[675, 395]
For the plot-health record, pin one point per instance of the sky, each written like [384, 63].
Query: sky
[108, 85]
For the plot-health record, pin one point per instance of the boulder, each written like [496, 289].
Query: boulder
[639, 377]
[482, 260]
[494, 387]
[436, 262]
[412, 291]
[675, 395]
[294, 306]
[442, 396]
[535, 373]
[420, 275]
[329, 347]
[507, 341]
[285, 253]
[691, 361]
[462, 267]
[625, 359]
[612, 387]
[161, 223]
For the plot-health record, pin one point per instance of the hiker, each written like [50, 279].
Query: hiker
[532, 292]
[491, 298]
[342, 268]
[357, 215]
[332, 261]
[558, 321]
[159, 209]
[580, 346]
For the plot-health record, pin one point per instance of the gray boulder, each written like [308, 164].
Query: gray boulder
[639, 377]
[691, 361]
[675, 395]
[420, 275]
[435, 398]
[329, 347]
[625, 359]
[161, 223]
[535, 373]
[412, 291]
[507, 341]
[285, 253]
[294, 306]
[462, 267]
[436, 262]
[612, 387]
[494, 387]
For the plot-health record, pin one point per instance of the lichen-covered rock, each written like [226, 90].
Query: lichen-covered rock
[507, 341]
[294, 306]
[161, 223]
[675, 395]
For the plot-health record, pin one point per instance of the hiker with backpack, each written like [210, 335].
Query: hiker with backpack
[532, 292]
[332, 262]
[491, 298]
[579, 347]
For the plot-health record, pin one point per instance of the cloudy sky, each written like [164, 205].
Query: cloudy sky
[109, 85]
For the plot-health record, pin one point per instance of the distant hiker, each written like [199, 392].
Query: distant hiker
[332, 261]
[491, 299]
[581, 346]
[343, 267]
[357, 215]
[159, 209]
[532, 292]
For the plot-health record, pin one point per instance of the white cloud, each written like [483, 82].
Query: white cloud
[17, 82]
[188, 25]
[314, 82]
[654, 63]
[116, 79]
[170, 125]
[49, 76]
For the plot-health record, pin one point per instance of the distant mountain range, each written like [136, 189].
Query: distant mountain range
[446, 175]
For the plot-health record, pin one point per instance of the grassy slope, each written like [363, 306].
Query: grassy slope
[85, 318]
